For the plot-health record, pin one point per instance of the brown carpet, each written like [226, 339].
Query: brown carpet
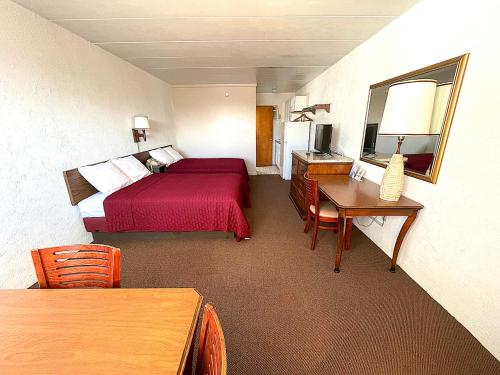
[284, 310]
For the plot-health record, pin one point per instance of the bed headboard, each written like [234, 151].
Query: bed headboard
[79, 188]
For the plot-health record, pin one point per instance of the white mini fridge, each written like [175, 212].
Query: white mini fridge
[294, 136]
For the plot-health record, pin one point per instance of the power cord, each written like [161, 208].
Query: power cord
[365, 225]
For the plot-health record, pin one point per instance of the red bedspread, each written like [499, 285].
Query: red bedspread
[214, 165]
[210, 165]
[166, 202]
[419, 162]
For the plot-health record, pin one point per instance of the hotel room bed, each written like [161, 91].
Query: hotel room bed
[165, 202]
[174, 203]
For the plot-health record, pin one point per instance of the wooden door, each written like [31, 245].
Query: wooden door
[264, 128]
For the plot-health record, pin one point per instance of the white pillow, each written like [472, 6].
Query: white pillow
[162, 156]
[105, 177]
[174, 153]
[132, 167]
[93, 206]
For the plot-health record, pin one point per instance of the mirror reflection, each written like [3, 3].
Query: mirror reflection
[419, 150]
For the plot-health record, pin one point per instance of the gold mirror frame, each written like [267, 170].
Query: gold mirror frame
[461, 62]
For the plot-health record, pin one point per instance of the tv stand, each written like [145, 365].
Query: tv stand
[314, 164]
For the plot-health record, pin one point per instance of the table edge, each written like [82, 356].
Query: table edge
[417, 206]
[192, 331]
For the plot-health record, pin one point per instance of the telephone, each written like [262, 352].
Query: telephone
[154, 165]
[357, 172]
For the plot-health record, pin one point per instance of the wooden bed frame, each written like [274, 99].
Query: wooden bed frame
[79, 188]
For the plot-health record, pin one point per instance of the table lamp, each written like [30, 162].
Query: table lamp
[408, 111]
[443, 91]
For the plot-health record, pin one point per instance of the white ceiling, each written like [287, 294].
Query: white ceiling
[280, 44]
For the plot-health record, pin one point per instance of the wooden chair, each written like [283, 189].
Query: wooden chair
[77, 266]
[211, 358]
[322, 212]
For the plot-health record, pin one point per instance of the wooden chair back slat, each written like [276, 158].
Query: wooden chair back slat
[66, 263]
[312, 195]
[77, 266]
[211, 358]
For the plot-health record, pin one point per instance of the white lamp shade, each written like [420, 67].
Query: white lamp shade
[408, 109]
[440, 106]
[141, 122]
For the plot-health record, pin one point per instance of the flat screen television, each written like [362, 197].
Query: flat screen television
[323, 138]
[370, 139]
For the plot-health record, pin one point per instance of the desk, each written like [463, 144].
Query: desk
[97, 331]
[361, 198]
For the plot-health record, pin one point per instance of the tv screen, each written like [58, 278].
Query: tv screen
[323, 138]
[370, 138]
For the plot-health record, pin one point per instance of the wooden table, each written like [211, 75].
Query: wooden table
[97, 331]
[361, 198]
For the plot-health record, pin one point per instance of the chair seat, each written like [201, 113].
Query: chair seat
[326, 209]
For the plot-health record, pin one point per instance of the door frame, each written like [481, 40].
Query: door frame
[259, 162]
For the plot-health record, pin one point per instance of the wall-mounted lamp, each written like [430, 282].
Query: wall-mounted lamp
[139, 126]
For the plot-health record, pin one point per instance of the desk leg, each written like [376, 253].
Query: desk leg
[347, 236]
[340, 241]
[402, 233]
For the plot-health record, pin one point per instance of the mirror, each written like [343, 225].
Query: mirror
[422, 153]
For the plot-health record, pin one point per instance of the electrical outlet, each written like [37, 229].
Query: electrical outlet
[380, 220]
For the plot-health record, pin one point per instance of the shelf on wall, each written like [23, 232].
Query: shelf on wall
[312, 109]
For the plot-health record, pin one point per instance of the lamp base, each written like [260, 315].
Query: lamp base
[393, 180]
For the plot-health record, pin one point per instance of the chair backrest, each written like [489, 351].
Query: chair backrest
[77, 266]
[312, 195]
[211, 358]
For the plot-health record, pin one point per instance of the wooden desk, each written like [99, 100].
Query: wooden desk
[97, 331]
[354, 198]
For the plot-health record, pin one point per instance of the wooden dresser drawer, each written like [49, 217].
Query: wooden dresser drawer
[326, 168]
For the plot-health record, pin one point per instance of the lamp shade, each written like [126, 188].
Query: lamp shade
[408, 109]
[441, 99]
[141, 122]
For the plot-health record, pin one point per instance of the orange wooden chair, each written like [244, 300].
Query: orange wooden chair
[211, 358]
[77, 266]
[322, 212]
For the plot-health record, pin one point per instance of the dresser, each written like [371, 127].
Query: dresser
[317, 165]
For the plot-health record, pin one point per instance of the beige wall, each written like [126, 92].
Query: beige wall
[63, 103]
[210, 124]
[453, 250]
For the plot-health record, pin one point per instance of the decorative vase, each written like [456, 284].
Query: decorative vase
[393, 180]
